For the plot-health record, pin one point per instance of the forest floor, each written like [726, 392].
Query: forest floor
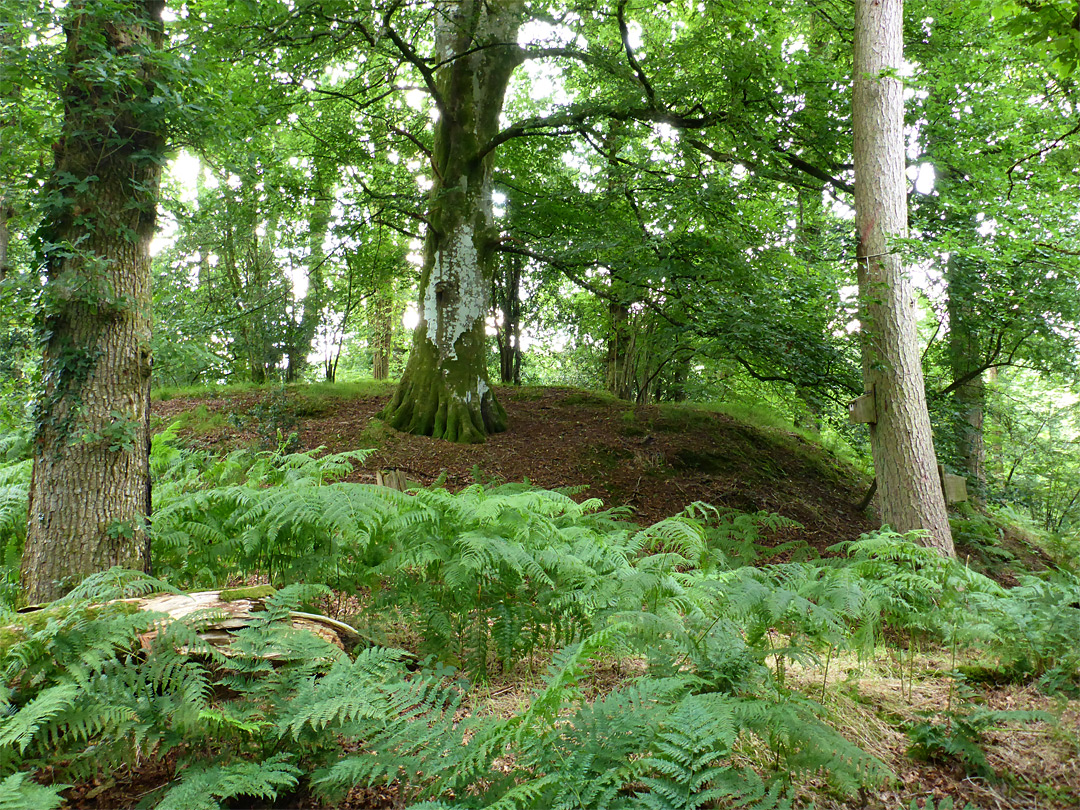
[654, 459]
[657, 460]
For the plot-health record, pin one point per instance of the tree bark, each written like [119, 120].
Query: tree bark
[444, 391]
[89, 496]
[969, 400]
[901, 441]
[303, 333]
[508, 321]
[381, 329]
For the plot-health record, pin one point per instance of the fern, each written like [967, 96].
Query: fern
[960, 735]
[422, 737]
[486, 576]
[735, 538]
[116, 583]
[206, 788]
[1034, 627]
[17, 792]
[685, 770]
[918, 591]
[14, 495]
[19, 730]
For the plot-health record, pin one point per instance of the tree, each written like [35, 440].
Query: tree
[444, 390]
[90, 493]
[997, 224]
[900, 438]
[301, 330]
[507, 311]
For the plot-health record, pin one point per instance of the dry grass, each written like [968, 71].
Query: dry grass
[1038, 763]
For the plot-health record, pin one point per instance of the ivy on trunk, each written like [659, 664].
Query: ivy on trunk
[90, 493]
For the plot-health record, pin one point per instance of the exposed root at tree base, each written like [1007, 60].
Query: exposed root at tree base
[440, 414]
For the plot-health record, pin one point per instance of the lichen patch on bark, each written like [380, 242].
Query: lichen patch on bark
[456, 294]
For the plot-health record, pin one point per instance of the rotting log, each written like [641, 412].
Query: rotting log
[218, 615]
[221, 613]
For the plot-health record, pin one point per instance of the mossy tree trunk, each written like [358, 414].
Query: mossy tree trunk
[900, 440]
[444, 389]
[381, 330]
[508, 312]
[90, 492]
[965, 355]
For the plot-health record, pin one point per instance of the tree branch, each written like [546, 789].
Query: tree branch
[414, 59]
[574, 121]
[624, 31]
[1036, 154]
[988, 363]
[808, 168]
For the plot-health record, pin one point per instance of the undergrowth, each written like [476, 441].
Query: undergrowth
[485, 580]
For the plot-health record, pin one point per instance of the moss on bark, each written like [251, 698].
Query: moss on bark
[446, 400]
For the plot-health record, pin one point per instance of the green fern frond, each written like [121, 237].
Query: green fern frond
[117, 583]
[18, 792]
[685, 774]
[20, 729]
[206, 788]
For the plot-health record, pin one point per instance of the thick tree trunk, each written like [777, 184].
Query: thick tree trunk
[901, 442]
[89, 497]
[444, 390]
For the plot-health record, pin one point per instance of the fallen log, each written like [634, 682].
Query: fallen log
[221, 613]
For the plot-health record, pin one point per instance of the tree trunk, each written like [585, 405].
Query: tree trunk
[969, 399]
[680, 373]
[444, 390]
[621, 359]
[901, 442]
[381, 330]
[89, 496]
[807, 246]
[6, 213]
[7, 147]
[303, 333]
[621, 379]
[508, 321]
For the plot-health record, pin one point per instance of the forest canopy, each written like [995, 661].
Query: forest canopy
[841, 225]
